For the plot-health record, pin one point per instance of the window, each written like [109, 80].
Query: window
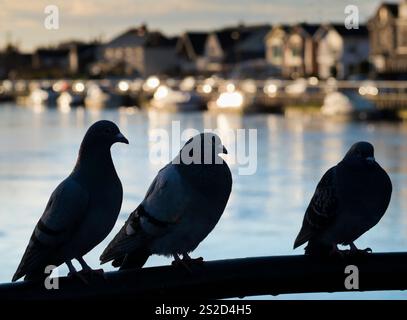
[296, 51]
[276, 51]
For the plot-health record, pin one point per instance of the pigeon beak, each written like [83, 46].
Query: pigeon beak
[121, 138]
[224, 150]
[370, 160]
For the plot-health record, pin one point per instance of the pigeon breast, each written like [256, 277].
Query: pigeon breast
[363, 194]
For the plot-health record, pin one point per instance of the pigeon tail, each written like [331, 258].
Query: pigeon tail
[32, 262]
[304, 236]
[316, 248]
[121, 245]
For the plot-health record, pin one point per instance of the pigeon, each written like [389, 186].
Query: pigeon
[182, 206]
[350, 199]
[81, 211]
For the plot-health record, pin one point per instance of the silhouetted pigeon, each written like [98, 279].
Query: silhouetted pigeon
[81, 211]
[350, 199]
[181, 207]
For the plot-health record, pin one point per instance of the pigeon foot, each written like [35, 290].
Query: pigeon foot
[182, 264]
[186, 262]
[94, 272]
[355, 252]
[338, 254]
[190, 260]
[78, 275]
[85, 275]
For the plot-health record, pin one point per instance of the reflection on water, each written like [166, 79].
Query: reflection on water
[265, 209]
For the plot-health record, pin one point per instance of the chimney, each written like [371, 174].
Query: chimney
[142, 30]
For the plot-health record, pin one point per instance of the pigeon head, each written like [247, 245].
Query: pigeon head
[203, 148]
[101, 136]
[103, 133]
[361, 151]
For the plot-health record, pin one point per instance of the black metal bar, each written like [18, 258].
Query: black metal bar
[227, 279]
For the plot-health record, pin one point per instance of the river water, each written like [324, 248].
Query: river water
[265, 211]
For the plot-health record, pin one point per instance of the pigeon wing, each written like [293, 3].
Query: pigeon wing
[162, 207]
[63, 213]
[321, 210]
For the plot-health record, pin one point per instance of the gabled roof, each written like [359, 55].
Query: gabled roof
[230, 37]
[255, 41]
[361, 32]
[284, 27]
[131, 37]
[157, 39]
[197, 41]
[140, 36]
[309, 28]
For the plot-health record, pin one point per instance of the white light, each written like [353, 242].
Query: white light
[230, 87]
[78, 87]
[39, 96]
[313, 81]
[161, 93]
[64, 108]
[270, 89]
[151, 83]
[123, 86]
[372, 90]
[249, 86]
[230, 100]
[207, 88]
[362, 91]
[58, 86]
[7, 85]
[187, 84]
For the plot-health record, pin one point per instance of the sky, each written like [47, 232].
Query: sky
[22, 21]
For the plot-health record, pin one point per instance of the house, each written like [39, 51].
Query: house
[275, 46]
[190, 50]
[68, 58]
[158, 55]
[231, 46]
[300, 51]
[82, 56]
[13, 63]
[388, 38]
[341, 51]
[252, 47]
[292, 49]
[138, 51]
[51, 59]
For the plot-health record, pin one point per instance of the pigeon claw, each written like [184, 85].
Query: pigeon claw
[86, 275]
[183, 264]
[336, 253]
[360, 252]
[94, 272]
[190, 260]
[80, 276]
